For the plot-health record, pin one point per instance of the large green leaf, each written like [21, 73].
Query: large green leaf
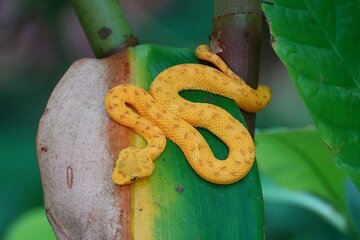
[318, 41]
[300, 165]
[184, 206]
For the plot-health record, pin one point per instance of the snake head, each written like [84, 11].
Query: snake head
[132, 164]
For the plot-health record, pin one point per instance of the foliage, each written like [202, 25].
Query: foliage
[318, 43]
[298, 160]
[297, 169]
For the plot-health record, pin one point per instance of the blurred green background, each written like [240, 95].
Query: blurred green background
[40, 39]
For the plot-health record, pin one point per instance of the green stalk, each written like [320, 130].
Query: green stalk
[105, 26]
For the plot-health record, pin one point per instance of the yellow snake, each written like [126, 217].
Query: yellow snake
[163, 113]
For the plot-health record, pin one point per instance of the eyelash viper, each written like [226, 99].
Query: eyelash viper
[163, 113]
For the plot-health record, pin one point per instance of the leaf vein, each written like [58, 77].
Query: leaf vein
[330, 42]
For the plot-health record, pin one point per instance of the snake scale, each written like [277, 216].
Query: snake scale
[162, 114]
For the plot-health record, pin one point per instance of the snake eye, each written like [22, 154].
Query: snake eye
[134, 178]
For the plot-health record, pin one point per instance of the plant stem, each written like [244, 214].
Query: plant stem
[236, 38]
[105, 25]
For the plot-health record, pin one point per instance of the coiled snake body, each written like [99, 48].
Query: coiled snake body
[163, 113]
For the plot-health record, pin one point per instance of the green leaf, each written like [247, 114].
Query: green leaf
[301, 166]
[30, 225]
[318, 41]
[279, 195]
[288, 217]
[184, 205]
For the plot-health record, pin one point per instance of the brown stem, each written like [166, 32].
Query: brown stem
[236, 39]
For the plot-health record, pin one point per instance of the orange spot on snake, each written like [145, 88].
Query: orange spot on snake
[158, 115]
[229, 127]
[215, 115]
